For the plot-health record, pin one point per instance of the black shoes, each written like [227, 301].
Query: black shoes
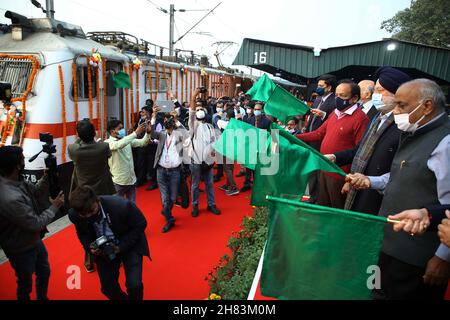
[89, 267]
[168, 226]
[224, 187]
[232, 191]
[213, 209]
[151, 187]
[245, 188]
[195, 211]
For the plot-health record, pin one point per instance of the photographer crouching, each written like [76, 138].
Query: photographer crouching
[112, 229]
[23, 224]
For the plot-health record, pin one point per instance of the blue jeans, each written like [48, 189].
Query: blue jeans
[109, 271]
[25, 264]
[127, 192]
[168, 181]
[196, 174]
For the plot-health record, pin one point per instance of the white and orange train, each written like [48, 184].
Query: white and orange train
[46, 61]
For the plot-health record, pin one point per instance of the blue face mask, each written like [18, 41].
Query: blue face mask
[257, 113]
[320, 91]
[377, 100]
[121, 133]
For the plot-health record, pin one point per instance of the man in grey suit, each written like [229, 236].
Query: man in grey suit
[324, 104]
[168, 159]
[90, 161]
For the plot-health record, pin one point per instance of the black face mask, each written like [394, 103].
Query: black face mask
[342, 104]
[94, 218]
[169, 123]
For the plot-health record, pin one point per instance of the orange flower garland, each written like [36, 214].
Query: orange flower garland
[149, 78]
[36, 66]
[105, 104]
[131, 93]
[97, 90]
[63, 114]
[137, 96]
[166, 82]
[171, 78]
[157, 81]
[75, 90]
[182, 85]
[89, 79]
[176, 83]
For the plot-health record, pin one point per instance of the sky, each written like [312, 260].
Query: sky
[316, 23]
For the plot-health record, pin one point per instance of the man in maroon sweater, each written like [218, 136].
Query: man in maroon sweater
[342, 130]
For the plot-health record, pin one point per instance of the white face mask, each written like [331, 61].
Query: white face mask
[249, 111]
[402, 121]
[219, 110]
[200, 114]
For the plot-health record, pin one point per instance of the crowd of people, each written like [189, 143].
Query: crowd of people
[391, 136]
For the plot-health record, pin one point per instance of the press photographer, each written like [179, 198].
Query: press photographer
[112, 229]
[22, 223]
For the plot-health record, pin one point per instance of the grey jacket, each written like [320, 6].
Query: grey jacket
[21, 221]
[180, 135]
[91, 167]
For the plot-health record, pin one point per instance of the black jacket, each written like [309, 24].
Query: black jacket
[369, 201]
[437, 213]
[127, 223]
[263, 122]
[314, 122]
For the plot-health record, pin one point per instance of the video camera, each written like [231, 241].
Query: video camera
[50, 162]
[106, 246]
[5, 93]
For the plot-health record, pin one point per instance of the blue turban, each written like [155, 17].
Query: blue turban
[391, 78]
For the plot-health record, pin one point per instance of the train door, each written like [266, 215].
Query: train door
[114, 96]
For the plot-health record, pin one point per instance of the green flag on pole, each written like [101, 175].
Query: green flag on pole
[316, 252]
[121, 80]
[294, 161]
[278, 101]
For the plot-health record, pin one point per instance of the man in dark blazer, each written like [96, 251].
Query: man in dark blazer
[123, 224]
[260, 121]
[322, 107]
[376, 150]
[90, 167]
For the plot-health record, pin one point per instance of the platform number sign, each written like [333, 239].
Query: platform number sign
[260, 57]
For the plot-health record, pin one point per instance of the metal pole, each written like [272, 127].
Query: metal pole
[50, 9]
[171, 35]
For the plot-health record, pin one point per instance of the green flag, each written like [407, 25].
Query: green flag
[262, 89]
[316, 252]
[294, 161]
[283, 105]
[242, 142]
[278, 102]
[121, 80]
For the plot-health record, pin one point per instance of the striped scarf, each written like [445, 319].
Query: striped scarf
[365, 150]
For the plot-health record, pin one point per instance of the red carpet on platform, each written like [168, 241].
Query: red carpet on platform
[182, 258]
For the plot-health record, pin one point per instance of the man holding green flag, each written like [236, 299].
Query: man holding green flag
[281, 162]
